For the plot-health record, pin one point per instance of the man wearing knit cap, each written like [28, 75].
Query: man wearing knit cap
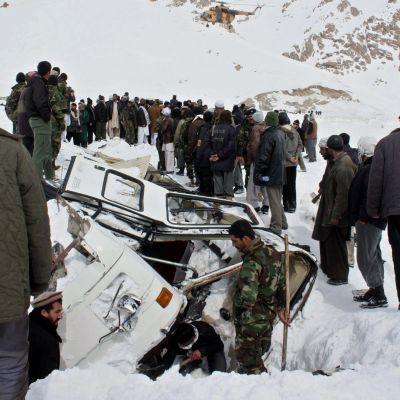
[269, 170]
[253, 191]
[36, 103]
[11, 107]
[333, 214]
[44, 341]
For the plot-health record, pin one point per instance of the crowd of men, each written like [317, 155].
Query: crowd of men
[359, 189]
[211, 144]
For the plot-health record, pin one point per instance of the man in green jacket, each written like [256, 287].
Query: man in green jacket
[332, 219]
[25, 259]
[259, 297]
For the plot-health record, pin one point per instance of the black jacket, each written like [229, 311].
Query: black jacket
[223, 138]
[141, 118]
[36, 99]
[203, 148]
[270, 159]
[100, 112]
[358, 197]
[208, 343]
[44, 347]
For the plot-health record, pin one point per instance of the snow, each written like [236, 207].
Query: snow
[152, 50]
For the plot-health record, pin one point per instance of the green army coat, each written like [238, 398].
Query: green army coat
[25, 248]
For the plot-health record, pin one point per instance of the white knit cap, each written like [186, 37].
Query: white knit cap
[366, 146]
[219, 104]
[323, 143]
[166, 111]
[258, 117]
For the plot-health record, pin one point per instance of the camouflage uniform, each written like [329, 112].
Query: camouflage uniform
[130, 124]
[11, 107]
[57, 105]
[178, 146]
[259, 295]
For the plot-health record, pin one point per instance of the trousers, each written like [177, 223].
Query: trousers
[253, 191]
[42, 151]
[14, 349]
[278, 217]
[369, 256]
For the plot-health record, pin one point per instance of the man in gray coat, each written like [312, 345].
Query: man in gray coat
[25, 259]
[383, 199]
[332, 218]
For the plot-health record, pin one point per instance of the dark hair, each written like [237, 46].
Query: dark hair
[20, 77]
[283, 119]
[63, 77]
[225, 117]
[184, 333]
[345, 137]
[242, 228]
[47, 307]
[57, 69]
[208, 116]
[43, 68]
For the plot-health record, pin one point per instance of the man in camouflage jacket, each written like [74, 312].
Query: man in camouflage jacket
[58, 110]
[259, 297]
[11, 107]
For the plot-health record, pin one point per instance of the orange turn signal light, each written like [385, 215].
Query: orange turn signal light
[164, 297]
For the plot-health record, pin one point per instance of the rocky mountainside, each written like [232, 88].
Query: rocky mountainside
[343, 37]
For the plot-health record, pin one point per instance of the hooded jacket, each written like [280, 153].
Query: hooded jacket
[36, 99]
[270, 159]
[293, 144]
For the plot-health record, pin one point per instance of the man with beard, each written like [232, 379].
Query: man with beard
[44, 341]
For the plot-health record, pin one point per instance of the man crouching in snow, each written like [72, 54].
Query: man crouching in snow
[196, 341]
[259, 296]
[44, 341]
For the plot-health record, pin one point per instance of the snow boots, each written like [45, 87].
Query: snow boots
[378, 299]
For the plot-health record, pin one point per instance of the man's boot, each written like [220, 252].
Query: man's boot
[377, 300]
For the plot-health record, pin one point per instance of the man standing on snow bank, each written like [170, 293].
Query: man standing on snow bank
[383, 199]
[369, 230]
[333, 214]
[38, 110]
[25, 259]
[44, 341]
[259, 297]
